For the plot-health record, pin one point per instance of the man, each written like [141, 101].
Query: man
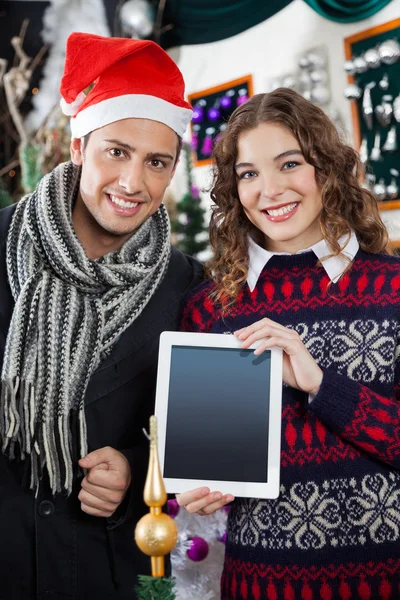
[88, 282]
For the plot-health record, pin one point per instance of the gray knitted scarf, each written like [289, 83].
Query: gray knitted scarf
[69, 312]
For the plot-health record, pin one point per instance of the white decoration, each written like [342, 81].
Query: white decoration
[199, 580]
[62, 18]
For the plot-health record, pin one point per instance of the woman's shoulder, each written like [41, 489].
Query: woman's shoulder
[389, 261]
[200, 293]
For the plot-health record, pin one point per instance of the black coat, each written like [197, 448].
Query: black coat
[49, 548]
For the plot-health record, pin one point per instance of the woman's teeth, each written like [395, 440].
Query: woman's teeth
[282, 211]
[122, 203]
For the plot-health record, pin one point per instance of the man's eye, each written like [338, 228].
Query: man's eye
[116, 152]
[158, 164]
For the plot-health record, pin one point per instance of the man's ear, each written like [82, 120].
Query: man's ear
[76, 151]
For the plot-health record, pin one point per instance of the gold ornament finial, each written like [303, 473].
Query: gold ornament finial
[156, 533]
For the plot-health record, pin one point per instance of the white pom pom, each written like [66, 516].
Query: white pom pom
[72, 109]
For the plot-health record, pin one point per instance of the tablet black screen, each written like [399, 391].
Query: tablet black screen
[218, 413]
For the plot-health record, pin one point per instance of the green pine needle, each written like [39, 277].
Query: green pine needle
[155, 588]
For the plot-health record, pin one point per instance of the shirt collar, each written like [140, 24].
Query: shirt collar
[334, 266]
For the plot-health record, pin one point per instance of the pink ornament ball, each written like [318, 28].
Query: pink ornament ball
[173, 508]
[222, 538]
[198, 549]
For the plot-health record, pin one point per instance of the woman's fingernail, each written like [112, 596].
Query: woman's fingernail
[218, 496]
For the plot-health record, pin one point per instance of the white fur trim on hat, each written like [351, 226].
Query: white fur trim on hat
[71, 109]
[139, 106]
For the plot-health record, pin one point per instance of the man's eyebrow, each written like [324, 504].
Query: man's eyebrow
[122, 144]
[157, 155]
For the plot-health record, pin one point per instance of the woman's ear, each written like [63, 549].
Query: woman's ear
[76, 151]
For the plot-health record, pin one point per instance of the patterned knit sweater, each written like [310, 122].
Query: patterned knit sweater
[334, 531]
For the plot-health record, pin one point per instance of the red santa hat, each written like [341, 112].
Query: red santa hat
[132, 78]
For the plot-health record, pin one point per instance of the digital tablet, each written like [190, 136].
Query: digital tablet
[219, 415]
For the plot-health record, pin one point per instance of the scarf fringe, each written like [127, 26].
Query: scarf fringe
[49, 446]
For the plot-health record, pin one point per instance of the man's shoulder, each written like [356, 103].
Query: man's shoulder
[184, 272]
[6, 215]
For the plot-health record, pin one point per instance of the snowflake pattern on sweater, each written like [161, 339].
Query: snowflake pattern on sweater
[334, 531]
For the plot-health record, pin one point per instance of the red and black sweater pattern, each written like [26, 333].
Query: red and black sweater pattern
[334, 531]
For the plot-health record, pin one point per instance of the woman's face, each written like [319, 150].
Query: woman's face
[277, 188]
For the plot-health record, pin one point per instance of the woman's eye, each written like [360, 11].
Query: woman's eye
[247, 175]
[290, 164]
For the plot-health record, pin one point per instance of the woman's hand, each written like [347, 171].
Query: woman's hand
[203, 502]
[300, 370]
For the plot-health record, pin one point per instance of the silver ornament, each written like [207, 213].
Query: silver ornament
[304, 62]
[320, 95]
[349, 67]
[393, 189]
[396, 108]
[372, 58]
[360, 64]
[319, 76]
[384, 82]
[384, 111]
[367, 108]
[137, 18]
[289, 82]
[305, 82]
[376, 150]
[352, 92]
[389, 51]
[391, 141]
[364, 151]
[316, 59]
[379, 190]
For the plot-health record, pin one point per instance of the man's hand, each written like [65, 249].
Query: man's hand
[106, 483]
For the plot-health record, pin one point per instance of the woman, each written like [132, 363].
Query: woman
[301, 262]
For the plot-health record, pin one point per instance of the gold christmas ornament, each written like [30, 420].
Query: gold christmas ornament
[156, 533]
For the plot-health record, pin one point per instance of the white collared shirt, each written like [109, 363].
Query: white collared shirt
[334, 266]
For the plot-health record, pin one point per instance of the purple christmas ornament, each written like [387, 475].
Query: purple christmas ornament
[195, 191]
[207, 145]
[173, 508]
[222, 538]
[195, 142]
[198, 549]
[214, 114]
[226, 102]
[242, 99]
[198, 114]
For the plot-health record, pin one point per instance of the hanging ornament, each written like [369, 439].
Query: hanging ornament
[198, 549]
[384, 82]
[393, 189]
[289, 82]
[214, 113]
[379, 190]
[353, 91]
[372, 58]
[208, 141]
[364, 151]
[320, 94]
[389, 51]
[198, 114]
[376, 150]
[319, 76]
[360, 64]
[349, 67]
[173, 507]
[367, 108]
[243, 97]
[316, 59]
[194, 190]
[226, 102]
[390, 144]
[137, 18]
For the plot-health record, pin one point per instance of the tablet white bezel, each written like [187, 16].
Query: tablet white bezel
[269, 489]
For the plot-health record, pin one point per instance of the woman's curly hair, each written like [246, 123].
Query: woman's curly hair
[346, 205]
